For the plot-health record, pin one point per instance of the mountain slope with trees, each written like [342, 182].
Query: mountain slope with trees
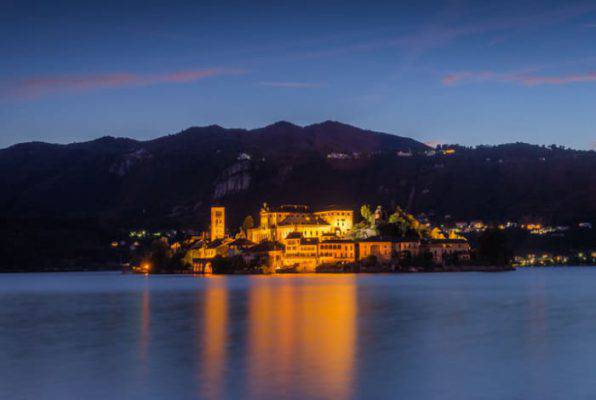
[112, 184]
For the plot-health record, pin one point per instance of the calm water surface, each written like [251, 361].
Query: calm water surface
[529, 334]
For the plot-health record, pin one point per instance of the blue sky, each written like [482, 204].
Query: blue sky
[464, 72]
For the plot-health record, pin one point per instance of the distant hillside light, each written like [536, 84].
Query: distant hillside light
[146, 267]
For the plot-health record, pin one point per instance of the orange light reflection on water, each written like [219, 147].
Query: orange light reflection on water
[302, 334]
[291, 333]
[145, 328]
[212, 315]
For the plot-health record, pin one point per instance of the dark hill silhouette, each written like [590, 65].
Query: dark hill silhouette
[180, 175]
[171, 181]
[113, 175]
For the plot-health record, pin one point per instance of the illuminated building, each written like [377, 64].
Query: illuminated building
[267, 254]
[441, 249]
[341, 220]
[218, 223]
[337, 250]
[292, 237]
[278, 223]
[301, 252]
[380, 248]
[409, 247]
[305, 254]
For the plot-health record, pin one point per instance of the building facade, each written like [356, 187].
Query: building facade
[275, 224]
[445, 251]
[381, 249]
[218, 223]
[294, 238]
[337, 251]
[301, 252]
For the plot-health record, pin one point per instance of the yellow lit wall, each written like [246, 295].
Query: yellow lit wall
[218, 223]
[381, 250]
[301, 255]
[342, 220]
[412, 247]
[334, 252]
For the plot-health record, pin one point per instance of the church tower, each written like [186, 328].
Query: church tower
[218, 223]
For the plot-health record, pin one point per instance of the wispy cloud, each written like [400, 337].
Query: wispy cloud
[39, 86]
[448, 28]
[526, 79]
[467, 76]
[558, 80]
[293, 85]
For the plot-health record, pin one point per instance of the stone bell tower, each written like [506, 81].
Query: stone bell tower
[218, 223]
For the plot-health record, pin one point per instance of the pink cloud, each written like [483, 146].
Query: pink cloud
[40, 86]
[194, 75]
[526, 79]
[294, 85]
[455, 78]
[558, 80]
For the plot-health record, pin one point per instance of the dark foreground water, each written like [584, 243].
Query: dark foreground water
[529, 334]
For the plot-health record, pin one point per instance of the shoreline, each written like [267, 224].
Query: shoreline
[119, 268]
[331, 272]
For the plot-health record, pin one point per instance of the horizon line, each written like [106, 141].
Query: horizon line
[428, 143]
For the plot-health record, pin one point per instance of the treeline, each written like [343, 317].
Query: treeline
[57, 244]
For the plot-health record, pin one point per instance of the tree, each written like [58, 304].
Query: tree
[227, 265]
[220, 265]
[367, 214]
[370, 262]
[159, 255]
[493, 248]
[399, 225]
[163, 259]
[394, 218]
[247, 224]
[422, 259]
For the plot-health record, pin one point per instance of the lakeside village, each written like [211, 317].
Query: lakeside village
[295, 239]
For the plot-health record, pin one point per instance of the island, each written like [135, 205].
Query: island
[293, 238]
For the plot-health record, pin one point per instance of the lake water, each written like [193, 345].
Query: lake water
[529, 334]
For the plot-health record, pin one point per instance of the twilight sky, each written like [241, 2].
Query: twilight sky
[457, 71]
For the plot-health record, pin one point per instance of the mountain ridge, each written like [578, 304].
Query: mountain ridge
[191, 130]
[275, 128]
[62, 205]
[173, 179]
